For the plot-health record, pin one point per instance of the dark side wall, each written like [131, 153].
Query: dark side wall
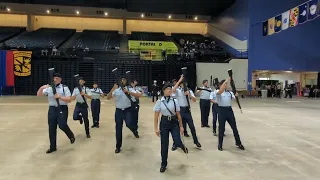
[295, 49]
[235, 20]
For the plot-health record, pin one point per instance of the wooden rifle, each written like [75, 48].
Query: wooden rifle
[234, 88]
[53, 86]
[185, 83]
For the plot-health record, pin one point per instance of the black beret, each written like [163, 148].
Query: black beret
[57, 75]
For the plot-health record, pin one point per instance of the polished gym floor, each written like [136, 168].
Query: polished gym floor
[282, 140]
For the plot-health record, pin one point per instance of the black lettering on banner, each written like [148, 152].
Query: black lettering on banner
[147, 44]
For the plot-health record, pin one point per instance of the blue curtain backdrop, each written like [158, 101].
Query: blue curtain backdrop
[2, 68]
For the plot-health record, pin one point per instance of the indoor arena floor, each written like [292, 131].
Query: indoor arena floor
[281, 139]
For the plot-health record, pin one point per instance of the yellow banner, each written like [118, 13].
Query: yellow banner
[22, 63]
[152, 45]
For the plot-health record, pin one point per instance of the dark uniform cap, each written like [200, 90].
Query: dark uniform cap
[166, 85]
[222, 81]
[174, 80]
[81, 78]
[57, 75]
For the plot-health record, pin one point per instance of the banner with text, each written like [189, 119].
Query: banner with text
[152, 45]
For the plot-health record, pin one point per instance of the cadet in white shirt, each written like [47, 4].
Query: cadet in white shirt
[54, 116]
[204, 103]
[185, 112]
[81, 105]
[171, 122]
[123, 110]
[224, 99]
[96, 104]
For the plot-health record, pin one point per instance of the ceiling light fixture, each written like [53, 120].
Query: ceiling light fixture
[106, 14]
[48, 11]
[8, 9]
[78, 12]
[169, 16]
[142, 15]
[196, 18]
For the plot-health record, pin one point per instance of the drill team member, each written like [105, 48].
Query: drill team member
[170, 122]
[204, 103]
[123, 110]
[96, 104]
[54, 116]
[185, 112]
[136, 103]
[224, 99]
[215, 110]
[81, 105]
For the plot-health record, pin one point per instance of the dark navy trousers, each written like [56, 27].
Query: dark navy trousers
[166, 127]
[120, 115]
[187, 119]
[215, 110]
[95, 109]
[226, 114]
[83, 109]
[205, 111]
[135, 115]
[56, 118]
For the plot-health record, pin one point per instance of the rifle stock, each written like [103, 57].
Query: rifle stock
[234, 90]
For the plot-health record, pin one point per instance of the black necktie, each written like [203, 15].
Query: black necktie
[57, 85]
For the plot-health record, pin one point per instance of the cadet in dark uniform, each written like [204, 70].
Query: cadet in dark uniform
[96, 104]
[155, 91]
[185, 111]
[170, 122]
[81, 106]
[215, 110]
[136, 103]
[205, 103]
[224, 99]
[123, 110]
[54, 116]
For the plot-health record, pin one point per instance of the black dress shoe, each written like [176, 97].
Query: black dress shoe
[97, 126]
[51, 151]
[72, 140]
[81, 121]
[202, 126]
[163, 169]
[93, 126]
[207, 126]
[173, 148]
[117, 151]
[88, 136]
[136, 134]
[220, 148]
[186, 135]
[198, 145]
[240, 146]
[185, 150]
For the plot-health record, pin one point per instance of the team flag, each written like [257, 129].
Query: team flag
[285, 20]
[271, 23]
[303, 13]
[6, 69]
[278, 20]
[313, 8]
[294, 15]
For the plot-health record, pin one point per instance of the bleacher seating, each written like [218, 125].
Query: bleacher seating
[148, 36]
[7, 32]
[94, 41]
[41, 38]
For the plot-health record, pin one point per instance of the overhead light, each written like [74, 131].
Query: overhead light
[169, 16]
[78, 12]
[106, 14]
[48, 11]
[196, 18]
[142, 15]
[8, 9]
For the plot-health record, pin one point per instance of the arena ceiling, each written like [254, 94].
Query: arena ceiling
[190, 7]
